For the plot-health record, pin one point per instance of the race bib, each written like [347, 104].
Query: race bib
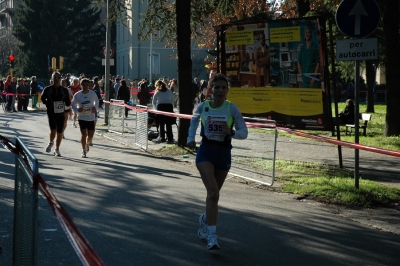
[58, 107]
[87, 109]
[214, 125]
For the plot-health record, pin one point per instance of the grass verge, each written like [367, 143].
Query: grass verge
[321, 182]
[331, 184]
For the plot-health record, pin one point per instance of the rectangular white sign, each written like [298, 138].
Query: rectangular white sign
[356, 50]
[103, 62]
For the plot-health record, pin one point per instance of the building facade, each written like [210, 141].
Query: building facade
[6, 8]
[132, 57]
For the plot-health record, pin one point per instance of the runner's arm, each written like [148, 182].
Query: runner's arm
[241, 131]
[194, 123]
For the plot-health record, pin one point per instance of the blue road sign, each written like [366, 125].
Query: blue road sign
[40, 86]
[358, 18]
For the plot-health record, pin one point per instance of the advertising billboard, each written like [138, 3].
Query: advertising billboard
[277, 70]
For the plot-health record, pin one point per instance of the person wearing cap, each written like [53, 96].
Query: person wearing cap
[34, 91]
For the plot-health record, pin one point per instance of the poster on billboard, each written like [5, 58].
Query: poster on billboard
[276, 70]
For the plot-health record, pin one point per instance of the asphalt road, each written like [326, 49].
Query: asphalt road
[137, 209]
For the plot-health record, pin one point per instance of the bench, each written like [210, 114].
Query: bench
[365, 119]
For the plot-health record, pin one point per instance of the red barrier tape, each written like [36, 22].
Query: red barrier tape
[16, 94]
[269, 124]
[341, 143]
[83, 249]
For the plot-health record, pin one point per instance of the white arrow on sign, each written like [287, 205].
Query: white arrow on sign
[358, 11]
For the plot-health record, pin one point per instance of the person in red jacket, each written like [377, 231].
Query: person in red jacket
[75, 87]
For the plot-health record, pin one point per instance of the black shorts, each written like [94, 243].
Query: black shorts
[56, 123]
[89, 125]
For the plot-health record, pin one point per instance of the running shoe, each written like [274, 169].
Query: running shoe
[202, 233]
[57, 153]
[49, 146]
[213, 242]
[83, 154]
[87, 147]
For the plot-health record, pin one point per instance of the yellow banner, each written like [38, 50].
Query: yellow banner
[286, 101]
[39, 95]
[240, 37]
[285, 34]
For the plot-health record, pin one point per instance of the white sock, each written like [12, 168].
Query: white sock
[212, 229]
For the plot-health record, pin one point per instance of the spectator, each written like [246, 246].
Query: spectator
[2, 92]
[11, 92]
[163, 100]
[96, 84]
[27, 89]
[143, 94]
[347, 115]
[34, 91]
[116, 86]
[203, 90]
[124, 93]
[22, 93]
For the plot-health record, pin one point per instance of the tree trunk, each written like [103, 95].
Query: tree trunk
[392, 38]
[184, 66]
[303, 6]
[370, 74]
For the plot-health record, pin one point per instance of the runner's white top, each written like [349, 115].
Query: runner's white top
[88, 101]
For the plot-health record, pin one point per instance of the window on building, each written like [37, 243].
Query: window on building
[155, 64]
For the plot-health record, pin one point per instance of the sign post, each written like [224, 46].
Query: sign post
[357, 19]
[104, 54]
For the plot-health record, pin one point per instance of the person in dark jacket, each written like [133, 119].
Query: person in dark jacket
[124, 93]
[34, 91]
[347, 115]
[22, 92]
[143, 93]
[11, 91]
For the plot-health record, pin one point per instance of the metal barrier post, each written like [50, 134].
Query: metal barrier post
[142, 127]
[253, 164]
[25, 207]
[115, 124]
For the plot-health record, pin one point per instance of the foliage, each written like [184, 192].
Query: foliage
[8, 47]
[51, 29]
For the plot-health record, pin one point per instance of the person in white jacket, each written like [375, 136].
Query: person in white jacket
[213, 158]
[85, 104]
